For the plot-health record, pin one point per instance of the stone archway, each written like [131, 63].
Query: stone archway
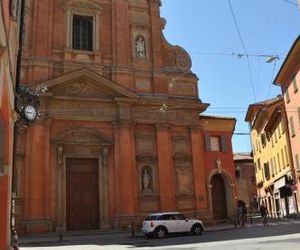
[221, 194]
[82, 144]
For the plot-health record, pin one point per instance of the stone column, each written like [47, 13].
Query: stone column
[165, 169]
[198, 168]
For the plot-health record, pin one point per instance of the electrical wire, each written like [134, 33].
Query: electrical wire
[245, 51]
[290, 2]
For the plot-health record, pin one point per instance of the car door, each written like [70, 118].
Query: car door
[182, 225]
[170, 222]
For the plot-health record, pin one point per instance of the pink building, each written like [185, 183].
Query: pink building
[288, 78]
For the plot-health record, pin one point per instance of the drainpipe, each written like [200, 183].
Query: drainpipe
[16, 93]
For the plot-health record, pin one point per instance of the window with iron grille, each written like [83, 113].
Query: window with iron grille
[267, 170]
[82, 32]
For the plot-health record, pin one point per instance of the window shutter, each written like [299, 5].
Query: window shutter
[207, 142]
[224, 146]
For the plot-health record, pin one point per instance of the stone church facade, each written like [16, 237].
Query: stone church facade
[121, 132]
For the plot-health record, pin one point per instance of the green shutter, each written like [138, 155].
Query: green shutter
[224, 146]
[207, 143]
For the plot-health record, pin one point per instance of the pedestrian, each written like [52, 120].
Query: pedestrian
[263, 212]
[244, 215]
[14, 241]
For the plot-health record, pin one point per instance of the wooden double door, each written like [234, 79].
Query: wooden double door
[219, 202]
[82, 195]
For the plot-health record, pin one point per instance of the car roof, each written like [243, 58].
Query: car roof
[161, 213]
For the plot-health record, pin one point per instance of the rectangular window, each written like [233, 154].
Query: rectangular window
[282, 156]
[294, 81]
[278, 160]
[267, 171]
[292, 127]
[297, 162]
[286, 156]
[275, 165]
[215, 143]
[258, 164]
[275, 136]
[272, 167]
[82, 32]
[263, 139]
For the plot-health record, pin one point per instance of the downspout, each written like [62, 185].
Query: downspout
[16, 93]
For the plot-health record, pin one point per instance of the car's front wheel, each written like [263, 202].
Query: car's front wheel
[161, 232]
[197, 229]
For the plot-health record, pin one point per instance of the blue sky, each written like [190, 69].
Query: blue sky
[206, 30]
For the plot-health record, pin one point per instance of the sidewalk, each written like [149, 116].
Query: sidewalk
[118, 236]
[53, 238]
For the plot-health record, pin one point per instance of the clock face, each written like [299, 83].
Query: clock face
[30, 112]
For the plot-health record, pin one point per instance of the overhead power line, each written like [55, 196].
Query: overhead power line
[290, 2]
[244, 47]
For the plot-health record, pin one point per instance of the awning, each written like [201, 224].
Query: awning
[280, 183]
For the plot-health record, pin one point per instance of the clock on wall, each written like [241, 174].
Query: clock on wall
[30, 112]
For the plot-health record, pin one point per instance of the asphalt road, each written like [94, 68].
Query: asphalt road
[283, 236]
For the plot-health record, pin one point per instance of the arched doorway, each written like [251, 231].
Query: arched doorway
[219, 202]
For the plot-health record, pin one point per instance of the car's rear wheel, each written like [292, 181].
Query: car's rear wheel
[197, 229]
[161, 232]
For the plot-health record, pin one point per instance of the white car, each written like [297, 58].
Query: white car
[161, 224]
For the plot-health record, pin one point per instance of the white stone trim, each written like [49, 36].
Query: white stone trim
[83, 8]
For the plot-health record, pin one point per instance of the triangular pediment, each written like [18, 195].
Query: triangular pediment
[85, 83]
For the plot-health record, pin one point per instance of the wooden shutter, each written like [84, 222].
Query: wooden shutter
[224, 146]
[207, 143]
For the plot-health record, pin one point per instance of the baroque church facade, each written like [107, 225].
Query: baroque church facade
[121, 132]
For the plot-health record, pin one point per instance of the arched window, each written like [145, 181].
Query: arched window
[140, 47]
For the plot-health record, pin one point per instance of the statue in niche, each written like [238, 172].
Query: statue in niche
[147, 180]
[140, 47]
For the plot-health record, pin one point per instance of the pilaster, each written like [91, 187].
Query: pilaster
[165, 168]
[125, 168]
[198, 168]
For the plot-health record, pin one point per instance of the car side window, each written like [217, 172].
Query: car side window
[171, 217]
[179, 217]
